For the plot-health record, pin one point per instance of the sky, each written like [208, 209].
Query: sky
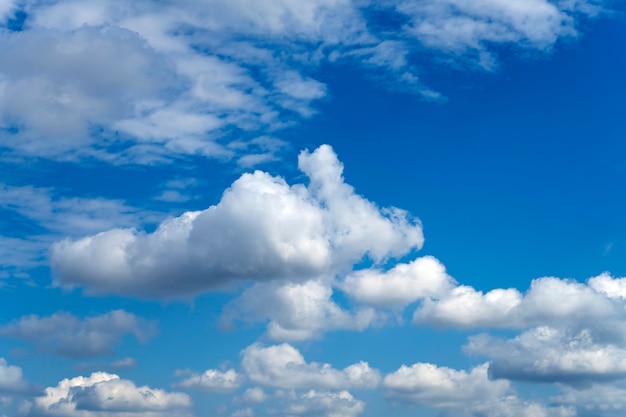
[316, 208]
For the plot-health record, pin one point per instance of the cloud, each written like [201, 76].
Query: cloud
[428, 384]
[254, 395]
[472, 392]
[403, 284]
[549, 301]
[545, 354]
[474, 27]
[107, 395]
[262, 229]
[213, 380]
[63, 334]
[283, 366]
[297, 311]
[45, 217]
[12, 380]
[199, 76]
[597, 400]
[325, 404]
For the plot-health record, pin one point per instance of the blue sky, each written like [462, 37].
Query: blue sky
[331, 208]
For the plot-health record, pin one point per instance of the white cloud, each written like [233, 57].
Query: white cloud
[50, 217]
[471, 392]
[238, 67]
[598, 400]
[545, 354]
[549, 301]
[65, 335]
[214, 380]
[262, 229]
[12, 379]
[462, 26]
[325, 404]
[254, 395]
[107, 395]
[405, 283]
[283, 366]
[297, 311]
[428, 384]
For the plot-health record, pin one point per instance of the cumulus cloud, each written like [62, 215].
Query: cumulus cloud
[12, 379]
[472, 392]
[262, 229]
[283, 366]
[214, 380]
[66, 335]
[325, 404]
[296, 311]
[549, 301]
[428, 384]
[254, 395]
[403, 284]
[107, 395]
[545, 354]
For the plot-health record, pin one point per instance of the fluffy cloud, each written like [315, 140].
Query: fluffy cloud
[262, 229]
[107, 395]
[213, 380]
[325, 404]
[549, 301]
[297, 311]
[428, 384]
[11, 379]
[66, 335]
[283, 366]
[472, 392]
[405, 283]
[240, 68]
[546, 354]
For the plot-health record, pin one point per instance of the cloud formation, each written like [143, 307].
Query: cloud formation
[63, 334]
[296, 311]
[107, 395]
[12, 379]
[262, 229]
[197, 77]
[283, 366]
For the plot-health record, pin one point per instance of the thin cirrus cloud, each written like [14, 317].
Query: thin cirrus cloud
[64, 94]
[262, 229]
[63, 334]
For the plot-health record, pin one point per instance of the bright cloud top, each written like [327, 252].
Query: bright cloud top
[102, 394]
[262, 229]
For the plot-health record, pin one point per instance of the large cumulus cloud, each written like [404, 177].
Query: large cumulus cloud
[262, 229]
